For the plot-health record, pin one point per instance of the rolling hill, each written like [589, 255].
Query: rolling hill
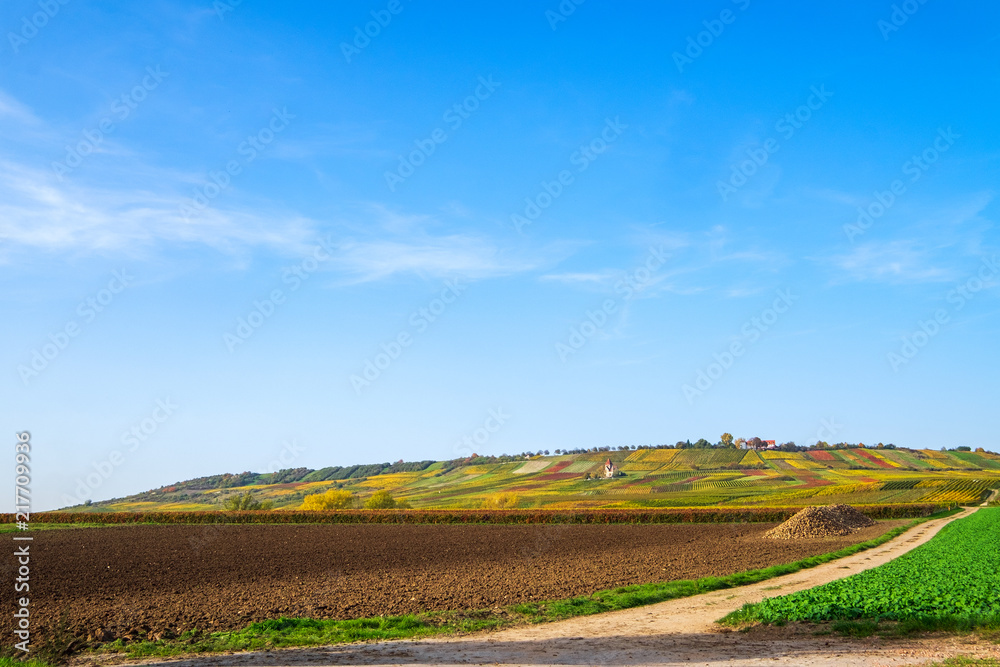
[645, 478]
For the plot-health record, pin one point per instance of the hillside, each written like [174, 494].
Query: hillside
[646, 478]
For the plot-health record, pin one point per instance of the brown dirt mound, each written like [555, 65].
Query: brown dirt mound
[821, 521]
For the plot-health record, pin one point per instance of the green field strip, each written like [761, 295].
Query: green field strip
[977, 460]
[950, 580]
[905, 459]
[581, 466]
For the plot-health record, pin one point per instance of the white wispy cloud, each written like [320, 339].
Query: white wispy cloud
[130, 207]
[376, 243]
[430, 257]
[39, 212]
[695, 264]
[967, 211]
[126, 206]
[344, 140]
[722, 249]
[594, 278]
[891, 262]
[12, 110]
[932, 243]
[742, 292]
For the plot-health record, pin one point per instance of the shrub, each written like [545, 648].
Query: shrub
[246, 501]
[501, 501]
[332, 499]
[381, 500]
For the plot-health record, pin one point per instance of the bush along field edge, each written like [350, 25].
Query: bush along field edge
[504, 516]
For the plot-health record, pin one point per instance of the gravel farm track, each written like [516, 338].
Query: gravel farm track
[137, 581]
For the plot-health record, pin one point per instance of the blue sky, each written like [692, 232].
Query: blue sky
[243, 235]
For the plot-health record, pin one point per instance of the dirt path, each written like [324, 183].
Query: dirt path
[678, 632]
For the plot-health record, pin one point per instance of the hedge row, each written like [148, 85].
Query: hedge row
[671, 515]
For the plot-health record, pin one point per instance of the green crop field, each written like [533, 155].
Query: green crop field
[954, 578]
[648, 478]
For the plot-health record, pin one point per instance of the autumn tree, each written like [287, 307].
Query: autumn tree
[246, 501]
[727, 440]
[332, 499]
[383, 500]
[501, 501]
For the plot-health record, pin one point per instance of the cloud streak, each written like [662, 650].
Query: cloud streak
[141, 214]
[893, 262]
[431, 257]
[38, 212]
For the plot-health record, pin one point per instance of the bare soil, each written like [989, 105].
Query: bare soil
[141, 581]
[669, 634]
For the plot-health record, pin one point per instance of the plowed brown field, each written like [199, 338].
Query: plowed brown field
[137, 581]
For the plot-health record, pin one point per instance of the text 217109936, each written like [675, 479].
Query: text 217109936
[22, 543]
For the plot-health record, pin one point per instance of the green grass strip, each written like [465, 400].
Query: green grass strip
[289, 632]
[6, 661]
[867, 627]
[12, 528]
